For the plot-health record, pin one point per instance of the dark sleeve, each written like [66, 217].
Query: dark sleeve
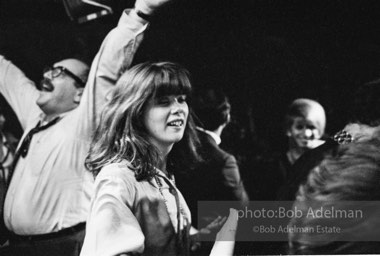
[233, 181]
[302, 167]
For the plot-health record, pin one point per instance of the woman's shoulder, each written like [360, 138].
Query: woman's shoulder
[117, 180]
[119, 170]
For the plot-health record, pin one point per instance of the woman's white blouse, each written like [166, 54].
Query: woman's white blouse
[113, 226]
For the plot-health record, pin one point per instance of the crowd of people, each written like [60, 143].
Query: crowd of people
[114, 160]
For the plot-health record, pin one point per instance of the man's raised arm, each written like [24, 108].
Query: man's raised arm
[19, 91]
[115, 56]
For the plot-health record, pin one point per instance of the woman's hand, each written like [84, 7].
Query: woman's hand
[225, 239]
[207, 233]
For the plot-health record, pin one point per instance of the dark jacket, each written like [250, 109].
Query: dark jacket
[302, 167]
[217, 178]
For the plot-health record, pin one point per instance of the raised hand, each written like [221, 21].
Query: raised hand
[160, 238]
[225, 239]
[207, 233]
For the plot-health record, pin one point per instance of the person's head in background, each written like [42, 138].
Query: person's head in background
[364, 120]
[212, 109]
[349, 174]
[305, 123]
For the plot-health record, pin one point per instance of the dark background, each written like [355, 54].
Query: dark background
[262, 53]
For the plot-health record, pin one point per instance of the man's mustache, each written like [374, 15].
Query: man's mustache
[46, 85]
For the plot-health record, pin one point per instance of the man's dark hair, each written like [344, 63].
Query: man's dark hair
[212, 108]
[366, 104]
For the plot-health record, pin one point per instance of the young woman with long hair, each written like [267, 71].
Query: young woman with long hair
[146, 130]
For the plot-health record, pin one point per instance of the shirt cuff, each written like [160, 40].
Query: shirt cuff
[132, 21]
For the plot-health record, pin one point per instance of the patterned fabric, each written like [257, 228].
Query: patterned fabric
[343, 137]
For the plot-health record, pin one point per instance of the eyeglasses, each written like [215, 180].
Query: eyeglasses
[58, 70]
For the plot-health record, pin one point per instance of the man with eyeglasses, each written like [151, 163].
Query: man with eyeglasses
[48, 198]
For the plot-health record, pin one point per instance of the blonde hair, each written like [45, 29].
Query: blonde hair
[303, 107]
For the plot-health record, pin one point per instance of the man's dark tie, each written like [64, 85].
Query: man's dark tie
[22, 151]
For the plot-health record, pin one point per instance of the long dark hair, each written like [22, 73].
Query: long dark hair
[121, 134]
